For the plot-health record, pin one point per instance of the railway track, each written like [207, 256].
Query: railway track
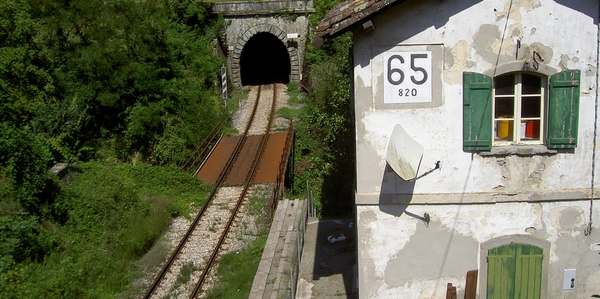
[202, 150]
[199, 247]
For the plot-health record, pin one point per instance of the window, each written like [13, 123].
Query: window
[520, 108]
[518, 99]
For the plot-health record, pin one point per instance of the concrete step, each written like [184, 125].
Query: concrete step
[277, 271]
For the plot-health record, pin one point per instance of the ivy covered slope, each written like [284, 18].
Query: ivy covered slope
[100, 84]
[324, 163]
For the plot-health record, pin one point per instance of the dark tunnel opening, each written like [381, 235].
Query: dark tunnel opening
[264, 60]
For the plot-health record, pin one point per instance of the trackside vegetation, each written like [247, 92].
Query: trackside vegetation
[112, 213]
[121, 89]
[236, 270]
[324, 165]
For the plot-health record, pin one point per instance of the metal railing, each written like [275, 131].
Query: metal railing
[280, 180]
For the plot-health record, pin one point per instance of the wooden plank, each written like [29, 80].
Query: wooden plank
[471, 285]
[450, 291]
[563, 109]
[477, 112]
[501, 272]
[528, 271]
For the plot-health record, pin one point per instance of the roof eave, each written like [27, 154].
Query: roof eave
[329, 27]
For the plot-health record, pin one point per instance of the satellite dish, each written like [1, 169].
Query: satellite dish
[404, 154]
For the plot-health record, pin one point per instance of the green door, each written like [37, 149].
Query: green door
[514, 272]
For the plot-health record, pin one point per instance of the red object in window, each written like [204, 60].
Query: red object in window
[532, 129]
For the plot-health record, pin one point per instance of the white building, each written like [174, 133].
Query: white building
[503, 94]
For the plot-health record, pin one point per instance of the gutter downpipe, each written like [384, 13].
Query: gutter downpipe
[588, 229]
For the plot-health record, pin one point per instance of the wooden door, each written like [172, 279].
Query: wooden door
[514, 272]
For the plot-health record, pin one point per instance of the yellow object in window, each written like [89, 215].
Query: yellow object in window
[504, 129]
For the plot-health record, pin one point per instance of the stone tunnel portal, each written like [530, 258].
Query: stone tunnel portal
[264, 59]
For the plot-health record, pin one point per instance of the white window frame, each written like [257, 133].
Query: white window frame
[518, 96]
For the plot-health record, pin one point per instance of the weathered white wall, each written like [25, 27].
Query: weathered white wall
[400, 257]
[470, 32]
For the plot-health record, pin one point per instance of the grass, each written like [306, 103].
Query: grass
[296, 100]
[236, 97]
[289, 113]
[185, 274]
[115, 213]
[229, 1]
[236, 270]
[296, 96]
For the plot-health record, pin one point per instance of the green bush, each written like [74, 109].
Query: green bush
[115, 212]
[111, 80]
[324, 160]
[24, 158]
[81, 72]
[324, 165]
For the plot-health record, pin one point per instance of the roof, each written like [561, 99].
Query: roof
[346, 14]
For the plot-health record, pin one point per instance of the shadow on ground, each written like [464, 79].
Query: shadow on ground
[328, 270]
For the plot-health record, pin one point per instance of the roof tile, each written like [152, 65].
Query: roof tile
[348, 13]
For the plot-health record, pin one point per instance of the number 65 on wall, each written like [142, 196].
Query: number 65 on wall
[407, 77]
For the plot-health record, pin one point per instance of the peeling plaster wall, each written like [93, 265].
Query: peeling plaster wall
[470, 32]
[400, 257]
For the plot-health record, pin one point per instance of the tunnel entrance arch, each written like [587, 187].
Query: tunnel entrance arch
[264, 59]
[271, 31]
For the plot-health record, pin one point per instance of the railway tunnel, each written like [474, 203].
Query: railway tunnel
[262, 49]
[264, 60]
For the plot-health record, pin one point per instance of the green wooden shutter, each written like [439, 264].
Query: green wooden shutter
[515, 272]
[477, 112]
[501, 272]
[563, 110]
[528, 276]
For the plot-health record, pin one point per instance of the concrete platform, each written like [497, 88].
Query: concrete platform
[328, 270]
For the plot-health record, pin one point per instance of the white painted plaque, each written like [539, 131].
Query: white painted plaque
[407, 77]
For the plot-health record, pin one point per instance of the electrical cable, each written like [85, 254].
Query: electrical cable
[503, 34]
[588, 229]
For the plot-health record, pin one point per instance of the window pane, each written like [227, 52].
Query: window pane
[504, 85]
[504, 130]
[504, 108]
[530, 130]
[531, 84]
[531, 106]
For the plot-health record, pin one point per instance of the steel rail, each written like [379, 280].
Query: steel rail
[219, 182]
[206, 148]
[194, 157]
[200, 146]
[241, 199]
[208, 155]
